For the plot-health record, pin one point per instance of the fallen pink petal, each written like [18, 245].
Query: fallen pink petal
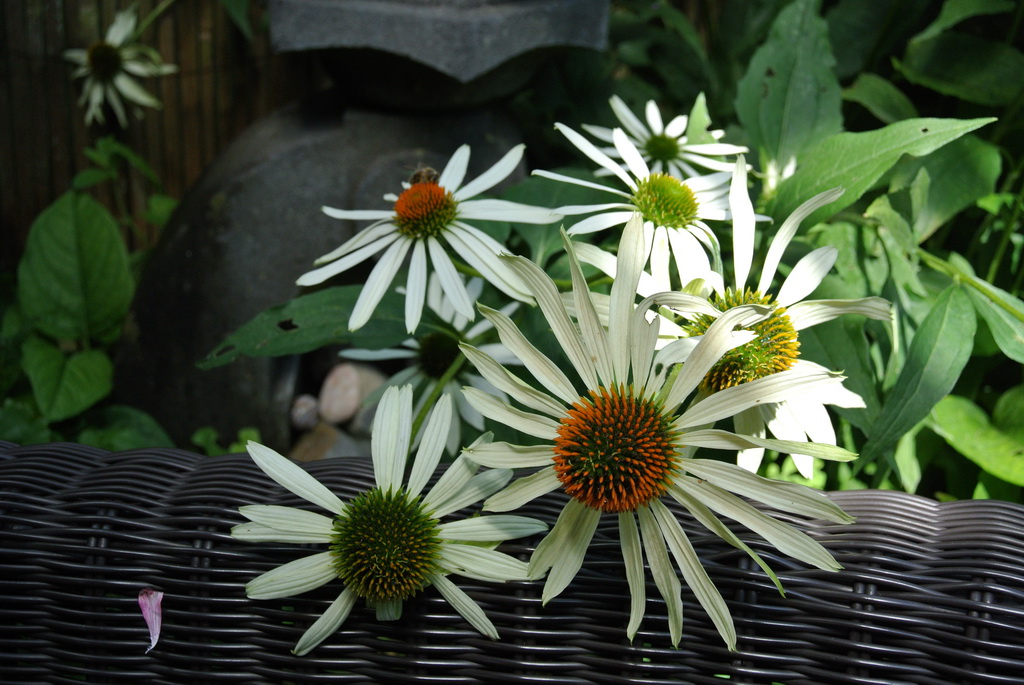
[149, 602]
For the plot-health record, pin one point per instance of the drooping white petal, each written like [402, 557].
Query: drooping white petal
[293, 578]
[694, 574]
[563, 549]
[293, 477]
[787, 231]
[481, 252]
[807, 275]
[428, 455]
[524, 490]
[392, 425]
[451, 283]
[662, 571]
[133, 92]
[465, 605]
[633, 559]
[592, 332]
[781, 495]
[510, 384]
[712, 438]
[377, 284]
[327, 624]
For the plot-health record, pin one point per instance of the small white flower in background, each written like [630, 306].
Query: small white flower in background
[388, 543]
[108, 67]
[429, 219]
[432, 354]
[621, 445]
[667, 147]
[151, 605]
[775, 346]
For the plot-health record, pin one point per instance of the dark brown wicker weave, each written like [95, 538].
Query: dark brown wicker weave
[931, 593]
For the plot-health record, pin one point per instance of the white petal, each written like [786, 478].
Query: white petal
[509, 383]
[321, 274]
[786, 233]
[290, 519]
[454, 171]
[812, 312]
[633, 558]
[370, 234]
[293, 578]
[524, 490]
[663, 572]
[563, 549]
[293, 477]
[428, 455]
[498, 172]
[599, 222]
[451, 282]
[357, 215]
[536, 425]
[481, 563]
[416, 287]
[502, 455]
[587, 148]
[491, 528]
[389, 446]
[592, 333]
[578, 181]
[742, 224]
[654, 118]
[630, 155]
[504, 210]
[807, 275]
[451, 482]
[465, 605]
[327, 624]
[257, 532]
[715, 439]
[694, 574]
[377, 284]
[479, 487]
[481, 252]
[749, 422]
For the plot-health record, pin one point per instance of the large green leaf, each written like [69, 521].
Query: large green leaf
[789, 98]
[989, 76]
[959, 174]
[881, 98]
[966, 427]
[74, 282]
[1003, 312]
[65, 385]
[309, 322]
[955, 11]
[856, 161]
[937, 355]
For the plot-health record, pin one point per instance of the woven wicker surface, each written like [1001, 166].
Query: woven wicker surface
[930, 593]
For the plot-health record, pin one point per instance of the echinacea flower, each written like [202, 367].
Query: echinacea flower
[666, 147]
[620, 445]
[429, 218]
[775, 346]
[388, 543]
[434, 357]
[108, 67]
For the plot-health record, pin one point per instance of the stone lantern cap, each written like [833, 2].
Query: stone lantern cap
[460, 38]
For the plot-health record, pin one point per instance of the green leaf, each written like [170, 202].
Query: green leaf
[990, 76]
[880, 97]
[238, 10]
[119, 427]
[955, 11]
[73, 280]
[1008, 414]
[907, 463]
[959, 174]
[90, 177]
[159, 209]
[966, 427]
[1003, 312]
[856, 161]
[698, 125]
[938, 353]
[21, 423]
[65, 385]
[789, 97]
[309, 322]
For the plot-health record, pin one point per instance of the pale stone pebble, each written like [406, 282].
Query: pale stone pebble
[305, 412]
[345, 388]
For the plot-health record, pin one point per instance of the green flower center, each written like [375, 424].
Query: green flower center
[774, 349]
[661, 148]
[615, 452]
[437, 353]
[424, 210]
[104, 61]
[385, 546]
[666, 201]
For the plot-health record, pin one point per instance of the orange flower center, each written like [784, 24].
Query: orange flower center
[615, 452]
[424, 210]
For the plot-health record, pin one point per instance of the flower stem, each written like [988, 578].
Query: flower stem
[435, 393]
[150, 18]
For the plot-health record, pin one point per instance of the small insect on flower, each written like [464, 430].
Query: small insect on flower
[424, 174]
